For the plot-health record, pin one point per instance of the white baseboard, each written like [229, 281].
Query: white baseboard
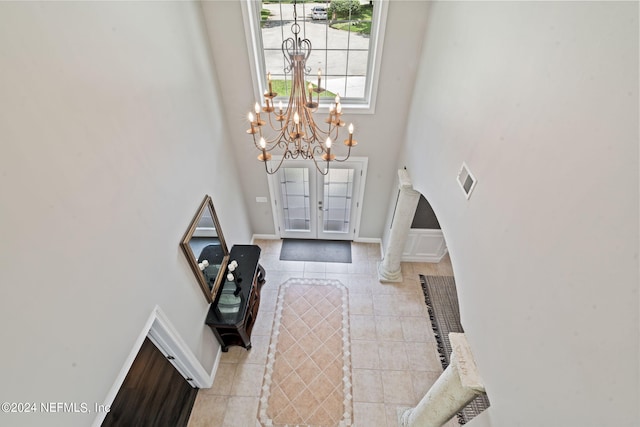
[264, 237]
[367, 240]
[371, 240]
[432, 259]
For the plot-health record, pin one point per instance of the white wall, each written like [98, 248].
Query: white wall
[111, 135]
[541, 101]
[379, 135]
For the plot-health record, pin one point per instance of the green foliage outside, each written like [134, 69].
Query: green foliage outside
[283, 88]
[344, 9]
[360, 20]
[291, 1]
[360, 27]
[355, 17]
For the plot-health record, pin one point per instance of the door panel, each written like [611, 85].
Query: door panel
[152, 394]
[337, 200]
[297, 219]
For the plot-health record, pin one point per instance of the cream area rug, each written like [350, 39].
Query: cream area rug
[308, 375]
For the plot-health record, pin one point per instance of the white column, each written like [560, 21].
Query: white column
[458, 385]
[389, 268]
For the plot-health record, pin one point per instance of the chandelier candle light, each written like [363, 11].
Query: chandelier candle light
[296, 132]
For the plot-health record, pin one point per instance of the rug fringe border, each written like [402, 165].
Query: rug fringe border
[444, 357]
[347, 418]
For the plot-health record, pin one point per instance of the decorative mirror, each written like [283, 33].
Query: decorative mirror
[205, 249]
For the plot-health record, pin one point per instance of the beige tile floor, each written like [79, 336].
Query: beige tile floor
[394, 356]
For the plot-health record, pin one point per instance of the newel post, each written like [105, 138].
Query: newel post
[458, 385]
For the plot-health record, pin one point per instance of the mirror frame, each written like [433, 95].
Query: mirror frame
[191, 257]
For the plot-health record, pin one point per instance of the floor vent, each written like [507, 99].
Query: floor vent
[466, 180]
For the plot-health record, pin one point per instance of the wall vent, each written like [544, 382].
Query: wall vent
[466, 180]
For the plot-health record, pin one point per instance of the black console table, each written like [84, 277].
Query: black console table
[235, 308]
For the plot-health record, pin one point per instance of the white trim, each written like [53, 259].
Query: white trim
[367, 240]
[375, 55]
[371, 240]
[254, 43]
[166, 338]
[275, 198]
[424, 245]
[264, 237]
[430, 259]
[367, 105]
[169, 342]
[364, 161]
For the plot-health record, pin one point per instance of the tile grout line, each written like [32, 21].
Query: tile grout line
[366, 284]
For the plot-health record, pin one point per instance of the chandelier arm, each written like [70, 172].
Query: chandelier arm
[318, 150]
[336, 129]
[288, 114]
[302, 148]
[278, 137]
[254, 139]
[288, 145]
[293, 154]
[272, 125]
[305, 46]
[310, 134]
[310, 142]
[266, 169]
[255, 142]
[345, 159]
[298, 151]
[288, 45]
[274, 143]
[318, 167]
[323, 134]
[329, 130]
[277, 168]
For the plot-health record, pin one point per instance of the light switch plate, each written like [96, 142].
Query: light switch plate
[261, 200]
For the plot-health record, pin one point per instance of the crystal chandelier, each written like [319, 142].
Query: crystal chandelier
[296, 133]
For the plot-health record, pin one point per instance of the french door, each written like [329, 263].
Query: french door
[310, 205]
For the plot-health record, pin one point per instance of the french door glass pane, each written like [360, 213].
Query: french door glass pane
[294, 186]
[337, 200]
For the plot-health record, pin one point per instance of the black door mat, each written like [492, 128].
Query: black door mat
[316, 250]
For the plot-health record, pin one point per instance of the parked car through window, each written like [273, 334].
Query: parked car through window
[318, 12]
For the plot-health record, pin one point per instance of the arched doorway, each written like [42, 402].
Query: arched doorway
[425, 241]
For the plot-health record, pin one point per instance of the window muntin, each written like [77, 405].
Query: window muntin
[348, 61]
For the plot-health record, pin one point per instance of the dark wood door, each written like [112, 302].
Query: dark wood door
[152, 394]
